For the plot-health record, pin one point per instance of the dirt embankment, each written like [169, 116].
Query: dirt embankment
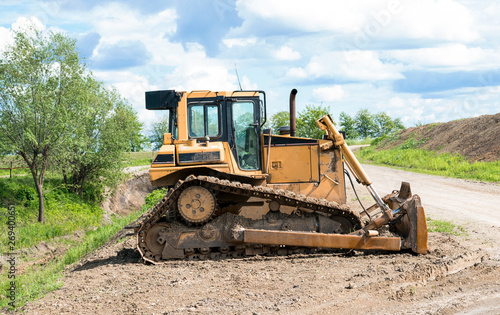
[129, 196]
[478, 139]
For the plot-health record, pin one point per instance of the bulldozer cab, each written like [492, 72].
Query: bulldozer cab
[236, 120]
[198, 117]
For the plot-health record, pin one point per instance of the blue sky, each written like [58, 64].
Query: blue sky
[423, 61]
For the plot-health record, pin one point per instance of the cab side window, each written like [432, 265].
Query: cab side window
[204, 120]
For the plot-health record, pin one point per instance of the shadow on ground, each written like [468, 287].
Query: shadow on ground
[123, 257]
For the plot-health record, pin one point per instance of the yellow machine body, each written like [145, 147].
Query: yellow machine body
[236, 189]
[306, 166]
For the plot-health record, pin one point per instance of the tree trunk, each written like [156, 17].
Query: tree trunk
[65, 176]
[39, 189]
[38, 180]
[41, 202]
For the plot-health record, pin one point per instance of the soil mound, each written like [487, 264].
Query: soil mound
[478, 139]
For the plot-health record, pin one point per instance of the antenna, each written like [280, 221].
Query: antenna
[236, 70]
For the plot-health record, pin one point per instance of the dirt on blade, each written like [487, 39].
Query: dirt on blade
[478, 138]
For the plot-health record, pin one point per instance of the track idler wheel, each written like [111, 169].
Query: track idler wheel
[196, 204]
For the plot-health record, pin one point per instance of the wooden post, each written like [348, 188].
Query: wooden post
[10, 169]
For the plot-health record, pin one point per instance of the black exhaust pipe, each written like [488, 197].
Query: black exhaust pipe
[293, 122]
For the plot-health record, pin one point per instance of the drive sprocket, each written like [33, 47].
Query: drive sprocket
[196, 204]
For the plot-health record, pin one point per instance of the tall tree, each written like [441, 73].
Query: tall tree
[364, 125]
[348, 125]
[306, 121]
[39, 77]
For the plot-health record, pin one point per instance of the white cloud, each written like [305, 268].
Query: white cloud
[328, 93]
[172, 66]
[246, 84]
[384, 38]
[286, 53]
[455, 56]
[429, 19]
[5, 38]
[412, 108]
[201, 74]
[239, 42]
[312, 16]
[356, 65]
[115, 22]
[22, 23]
[434, 19]
[132, 87]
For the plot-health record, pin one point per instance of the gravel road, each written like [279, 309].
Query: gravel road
[475, 205]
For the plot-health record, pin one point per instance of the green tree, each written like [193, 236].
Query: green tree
[383, 124]
[399, 124]
[106, 126]
[306, 121]
[280, 119]
[348, 125]
[158, 128]
[364, 123]
[386, 125]
[39, 77]
[136, 140]
[5, 145]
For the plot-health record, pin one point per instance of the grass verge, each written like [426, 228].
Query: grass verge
[430, 162]
[139, 158]
[445, 227]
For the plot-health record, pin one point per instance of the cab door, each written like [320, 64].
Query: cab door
[246, 127]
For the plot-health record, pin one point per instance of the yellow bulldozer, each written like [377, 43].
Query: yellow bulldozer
[237, 190]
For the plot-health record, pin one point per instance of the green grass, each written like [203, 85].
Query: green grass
[17, 161]
[139, 158]
[38, 280]
[387, 138]
[445, 227]
[409, 157]
[65, 211]
[359, 141]
[15, 172]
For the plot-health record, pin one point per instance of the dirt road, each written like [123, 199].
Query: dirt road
[474, 205]
[460, 275]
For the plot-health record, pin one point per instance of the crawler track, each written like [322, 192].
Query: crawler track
[166, 209]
